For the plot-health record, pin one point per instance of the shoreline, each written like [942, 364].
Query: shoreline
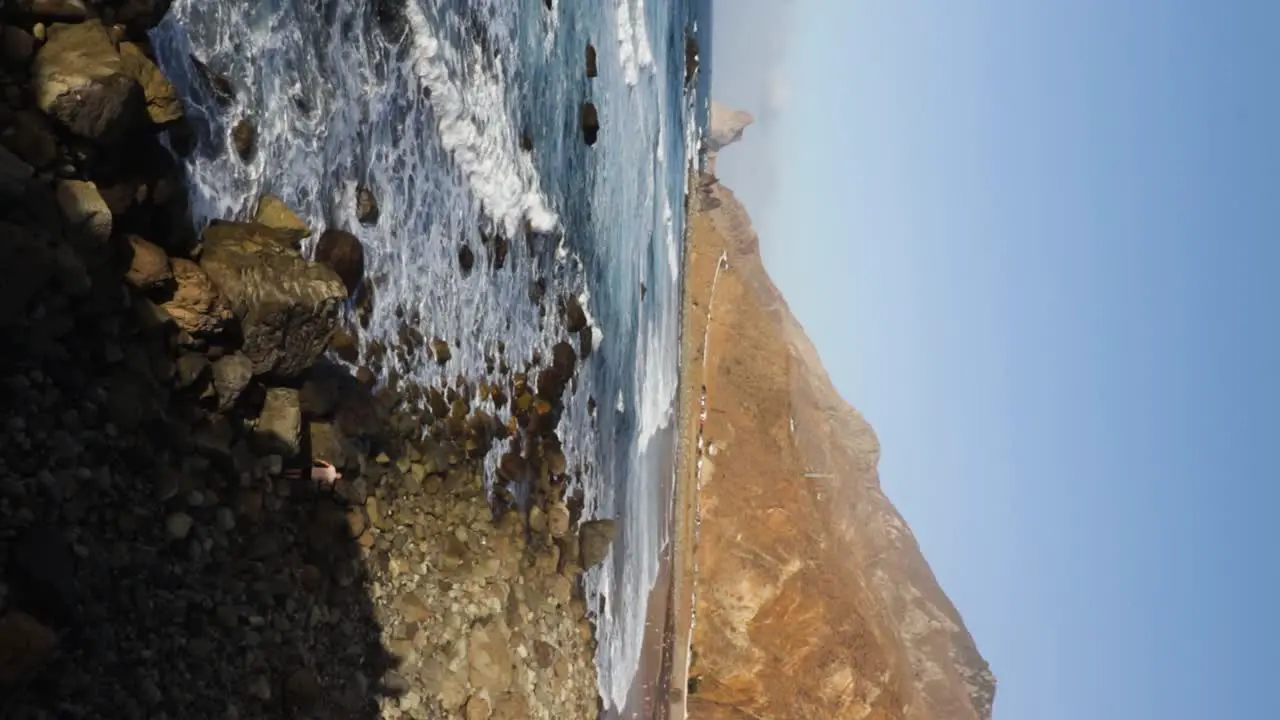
[659, 688]
[684, 536]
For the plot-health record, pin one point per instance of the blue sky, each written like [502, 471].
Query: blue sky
[1037, 244]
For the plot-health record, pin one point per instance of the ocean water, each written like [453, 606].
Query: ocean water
[425, 101]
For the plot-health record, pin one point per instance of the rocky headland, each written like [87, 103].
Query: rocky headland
[813, 599]
[168, 547]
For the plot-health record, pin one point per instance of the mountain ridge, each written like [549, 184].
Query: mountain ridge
[814, 599]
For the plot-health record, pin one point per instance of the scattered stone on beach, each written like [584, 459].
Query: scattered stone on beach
[595, 537]
[440, 350]
[590, 121]
[575, 317]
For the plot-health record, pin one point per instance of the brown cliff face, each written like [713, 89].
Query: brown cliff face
[813, 599]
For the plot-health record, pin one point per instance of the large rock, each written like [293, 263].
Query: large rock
[280, 422]
[16, 47]
[273, 213]
[163, 103]
[594, 538]
[148, 265]
[66, 10]
[31, 138]
[343, 252]
[328, 443]
[489, 655]
[288, 307]
[80, 80]
[84, 209]
[231, 374]
[196, 306]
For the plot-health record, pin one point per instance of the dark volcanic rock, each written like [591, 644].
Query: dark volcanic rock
[287, 307]
[244, 138]
[591, 60]
[80, 80]
[590, 120]
[343, 252]
[575, 317]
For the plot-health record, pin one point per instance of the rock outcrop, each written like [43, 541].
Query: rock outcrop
[287, 306]
[726, 126]
[813, 598]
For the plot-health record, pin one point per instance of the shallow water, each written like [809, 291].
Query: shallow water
[425, 101]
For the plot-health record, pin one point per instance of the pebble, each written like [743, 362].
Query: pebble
[260, 687]
[178, 525]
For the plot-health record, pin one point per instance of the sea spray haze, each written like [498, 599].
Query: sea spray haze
[427, 102]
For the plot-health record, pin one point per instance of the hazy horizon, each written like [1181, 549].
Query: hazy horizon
[1032, 246]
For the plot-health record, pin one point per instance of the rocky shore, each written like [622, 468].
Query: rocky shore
[164, 549]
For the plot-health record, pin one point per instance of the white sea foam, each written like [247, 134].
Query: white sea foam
[473, 126]
[644, 52]
[626, 44]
